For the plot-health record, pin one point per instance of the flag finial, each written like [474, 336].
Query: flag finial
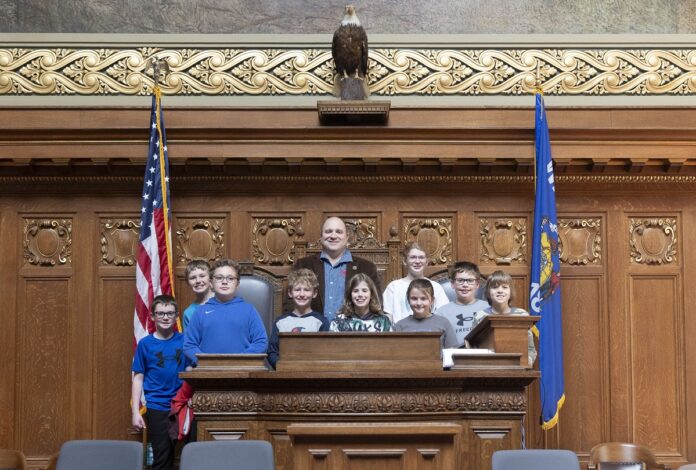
[538, 88]
[157, 67]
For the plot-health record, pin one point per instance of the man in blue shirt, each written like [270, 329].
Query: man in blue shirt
[334, 267]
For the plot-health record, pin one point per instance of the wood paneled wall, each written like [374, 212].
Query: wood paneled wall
[629, 252]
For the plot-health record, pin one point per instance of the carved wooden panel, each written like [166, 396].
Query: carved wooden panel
[584, 339]
[367, 446]
[486, 437]
[272, 239]
[225, 431]
[48, 242]
[199, 238]
[358, 402]
[114, 346]
[434, 235]
[43, 416]
[503, 240]
[657, 362]
[282, 447]
[653, 240]
[580, 241]
[119, 241]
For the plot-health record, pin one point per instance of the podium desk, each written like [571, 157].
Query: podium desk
[371, 410]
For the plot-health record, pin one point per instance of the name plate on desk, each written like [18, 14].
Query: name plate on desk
[359, 351]
[232, 362]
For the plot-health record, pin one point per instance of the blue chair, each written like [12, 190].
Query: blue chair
[224, 455]
[102, 455]
[535, 459]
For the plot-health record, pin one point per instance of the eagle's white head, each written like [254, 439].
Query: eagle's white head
[350, 18]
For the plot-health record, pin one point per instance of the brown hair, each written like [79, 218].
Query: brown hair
[303, 276]
[421, 284]
[225, 262]
[464, 266]
[197, 264]
[348, 309]
[496, 279]
[164, 299]
[412, 246]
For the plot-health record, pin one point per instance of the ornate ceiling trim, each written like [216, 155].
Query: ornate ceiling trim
[357, 179]
[437, 68]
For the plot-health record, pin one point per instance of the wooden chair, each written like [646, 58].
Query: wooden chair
[623, 456]
[12, 459]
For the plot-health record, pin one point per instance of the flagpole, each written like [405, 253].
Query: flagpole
[159, 65]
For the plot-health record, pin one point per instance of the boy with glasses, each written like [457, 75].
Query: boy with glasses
[157, 362]
[465, 278]
[226, 324]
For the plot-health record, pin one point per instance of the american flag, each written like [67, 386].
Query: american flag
[153, 272]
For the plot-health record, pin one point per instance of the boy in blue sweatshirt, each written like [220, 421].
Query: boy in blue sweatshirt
[226, 324]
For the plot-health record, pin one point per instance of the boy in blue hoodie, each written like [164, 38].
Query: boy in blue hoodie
[226, 324]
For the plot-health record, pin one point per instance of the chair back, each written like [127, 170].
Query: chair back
[688, 466]
[104, 455]
[622, 456]
[263, 290]
[12, 459]
[534, 459]
[223, 455]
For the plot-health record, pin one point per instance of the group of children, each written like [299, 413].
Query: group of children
[219, 321]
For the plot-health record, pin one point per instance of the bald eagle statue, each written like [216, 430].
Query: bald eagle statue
[349, 51]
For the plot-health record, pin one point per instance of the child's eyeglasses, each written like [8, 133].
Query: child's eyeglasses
[462, 281]
[225, 278]
[165, 314]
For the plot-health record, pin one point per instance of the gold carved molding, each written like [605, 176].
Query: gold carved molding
[119, 241]
[357, 402]
[250, 70]
[686, 180]
[580, 241]
[503, 240]
[199, 239]
[434, 235]
[47, 242]
[272, 240]
[653, 240]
